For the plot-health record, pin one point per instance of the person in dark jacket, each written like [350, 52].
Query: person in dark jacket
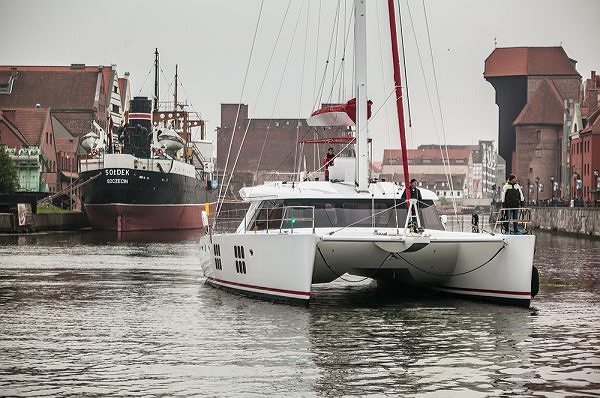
[512, 199]
[415, 193]
[328, 161]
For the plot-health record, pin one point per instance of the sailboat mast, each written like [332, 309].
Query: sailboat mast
[360, 68]
[156, 80]
[398, 83]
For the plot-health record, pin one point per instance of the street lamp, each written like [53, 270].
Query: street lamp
[528, 190]
[537, 190]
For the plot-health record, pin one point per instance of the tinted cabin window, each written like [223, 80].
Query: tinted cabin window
[338, 213]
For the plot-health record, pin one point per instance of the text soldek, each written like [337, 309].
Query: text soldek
[117, 172]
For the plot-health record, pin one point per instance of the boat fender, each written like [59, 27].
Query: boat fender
[535, 281]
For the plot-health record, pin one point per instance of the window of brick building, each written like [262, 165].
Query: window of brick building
[538, 135]
[538, 153]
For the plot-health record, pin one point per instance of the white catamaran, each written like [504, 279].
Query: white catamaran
[296, 234]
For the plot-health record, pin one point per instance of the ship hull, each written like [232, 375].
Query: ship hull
[151, 195]
[130, 217]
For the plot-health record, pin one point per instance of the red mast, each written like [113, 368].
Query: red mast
[398, 82]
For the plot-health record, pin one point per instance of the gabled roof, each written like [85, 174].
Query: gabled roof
[529, 61]
[593, 123]
[57, 87]
[32, 123]
[64, 140]
[544, 107]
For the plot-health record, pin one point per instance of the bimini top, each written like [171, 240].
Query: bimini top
[326, 189]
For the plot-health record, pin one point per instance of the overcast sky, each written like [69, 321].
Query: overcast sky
[211, 41]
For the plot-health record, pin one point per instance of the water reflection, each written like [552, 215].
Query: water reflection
[89, 314]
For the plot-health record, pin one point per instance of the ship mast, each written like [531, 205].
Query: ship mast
[398, 83]
[360, 67]
[175, 116]
[156, 80]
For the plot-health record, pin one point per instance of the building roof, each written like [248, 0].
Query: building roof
[57, 87]
[63, 139]
[529, 61]
[544, 107]
[32, 123]
[394, 156]
[593, 125]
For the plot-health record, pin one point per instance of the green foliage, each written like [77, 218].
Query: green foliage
[9, 181]
[51, 210]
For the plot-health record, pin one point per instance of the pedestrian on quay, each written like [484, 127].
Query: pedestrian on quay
[328, 161]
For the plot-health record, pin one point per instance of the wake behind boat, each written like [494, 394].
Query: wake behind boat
[296, 234]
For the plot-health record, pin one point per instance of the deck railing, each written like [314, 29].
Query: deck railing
[504, 221]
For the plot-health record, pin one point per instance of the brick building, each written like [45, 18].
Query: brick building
[28, 135]
[532, 84]
[426, 164]
[71, 97]
[585, 144]
[270, 146]
[539, 136]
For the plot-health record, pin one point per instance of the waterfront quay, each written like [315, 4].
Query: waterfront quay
[89, 313]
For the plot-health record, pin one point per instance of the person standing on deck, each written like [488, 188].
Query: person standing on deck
[512, 199]
[328, 161]
[415, 193]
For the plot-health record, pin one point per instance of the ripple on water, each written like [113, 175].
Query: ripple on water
[107, 317]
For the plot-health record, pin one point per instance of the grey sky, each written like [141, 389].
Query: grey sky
[210, 40]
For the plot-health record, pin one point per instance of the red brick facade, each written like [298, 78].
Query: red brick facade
[585, 147]
[531, 85]
[276, 153]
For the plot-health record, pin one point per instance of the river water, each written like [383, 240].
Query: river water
[88, 314]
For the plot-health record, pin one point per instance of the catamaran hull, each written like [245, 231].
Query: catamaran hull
[283, 266]
[278, 268]
[507, 279]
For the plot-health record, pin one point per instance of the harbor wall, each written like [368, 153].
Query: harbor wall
[574, 220]
[44, 222]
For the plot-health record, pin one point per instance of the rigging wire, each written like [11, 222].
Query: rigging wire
[383, 79]
[437, 91]
[220, 198]
[262, 83]
[250, 119]
[145, 80]
[340, 71]
[319, 96]
[301, 87]
[445, 161]
[404, 69]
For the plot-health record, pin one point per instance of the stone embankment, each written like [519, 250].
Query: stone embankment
[574, 220]
[44, 222]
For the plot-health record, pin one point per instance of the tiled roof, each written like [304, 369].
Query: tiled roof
[57, 87]
[64, 140]
[32, 123]
[529, 61]
[544, 107]
[593, 123]
[413, 154]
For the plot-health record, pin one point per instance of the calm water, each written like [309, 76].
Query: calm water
[87, 314]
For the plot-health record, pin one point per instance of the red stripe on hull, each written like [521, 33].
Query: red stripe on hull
[125, 217]
[268, 289]
[507, 292]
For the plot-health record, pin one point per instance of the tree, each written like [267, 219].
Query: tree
[9, 181]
